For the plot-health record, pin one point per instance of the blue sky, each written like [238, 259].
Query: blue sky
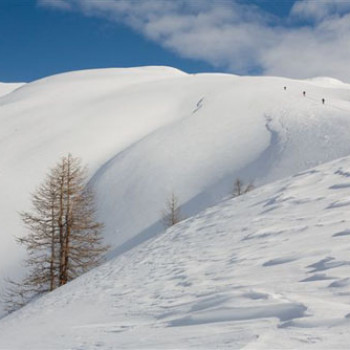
[37, 42]
[301, 38]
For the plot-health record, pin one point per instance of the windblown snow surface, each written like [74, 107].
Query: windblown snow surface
[267, 270]
[251, 271]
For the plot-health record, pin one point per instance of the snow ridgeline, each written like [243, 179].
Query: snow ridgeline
[269, 269]
[145, 132]
[6, 88]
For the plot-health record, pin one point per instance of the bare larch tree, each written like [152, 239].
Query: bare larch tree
[240, 188]
[171, 215]
[64, 238]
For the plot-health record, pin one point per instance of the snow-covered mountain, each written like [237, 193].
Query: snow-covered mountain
[267, 270]
[146, 132]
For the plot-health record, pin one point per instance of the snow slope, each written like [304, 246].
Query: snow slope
[6, 88]
[268, 270]
[145, 132]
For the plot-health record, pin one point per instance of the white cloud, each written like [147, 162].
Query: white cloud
[318, 10]
[320, 49]
[236, 37]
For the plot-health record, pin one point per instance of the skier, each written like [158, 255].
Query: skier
[304, 93]
[323, 101]
[285, 88]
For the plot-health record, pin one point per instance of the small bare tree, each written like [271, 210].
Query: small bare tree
[171, 215]
[64, 239]
[240, 188]
[15, 295]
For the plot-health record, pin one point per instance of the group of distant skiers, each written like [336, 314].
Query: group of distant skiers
[304, 94]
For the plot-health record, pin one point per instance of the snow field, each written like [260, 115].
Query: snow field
[266, 270]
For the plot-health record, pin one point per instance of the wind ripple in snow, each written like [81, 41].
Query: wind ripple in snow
[283, 312]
